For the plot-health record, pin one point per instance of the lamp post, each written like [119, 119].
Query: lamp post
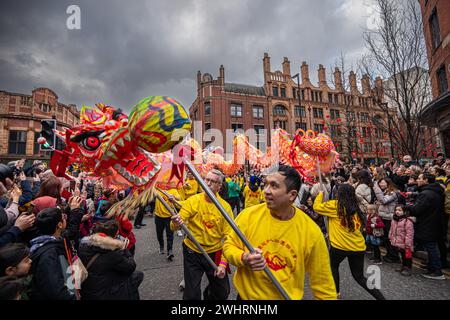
[299, 101]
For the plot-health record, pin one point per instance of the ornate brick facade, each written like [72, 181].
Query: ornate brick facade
[223, 105]
[20, 125]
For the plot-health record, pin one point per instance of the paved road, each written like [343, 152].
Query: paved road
[162, 277]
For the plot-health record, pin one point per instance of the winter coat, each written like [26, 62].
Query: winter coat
[429, 211]
[109, 272]
[364, 196]
[401, 233]
[447, 199]
[49, 267]
[8, 232]
[387, 201]
[373, 222]
[49, 270]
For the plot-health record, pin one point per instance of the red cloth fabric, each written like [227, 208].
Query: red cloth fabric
[126, 231]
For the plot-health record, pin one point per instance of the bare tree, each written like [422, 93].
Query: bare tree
[397, 52]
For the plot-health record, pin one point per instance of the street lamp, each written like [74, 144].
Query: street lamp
[299, 101]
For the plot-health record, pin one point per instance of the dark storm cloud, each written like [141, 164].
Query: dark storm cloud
[128, 50]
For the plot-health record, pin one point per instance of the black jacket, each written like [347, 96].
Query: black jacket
[109, 274]
[429, 210]
[49, 276]
[49, 267]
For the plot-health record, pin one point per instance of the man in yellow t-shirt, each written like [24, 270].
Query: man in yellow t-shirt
[285, 239]
[209, 228]
[252, 193]
[162, 222]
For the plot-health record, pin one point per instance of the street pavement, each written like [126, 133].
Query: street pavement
[162, 277]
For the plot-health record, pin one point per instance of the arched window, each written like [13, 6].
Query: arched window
[279, 111]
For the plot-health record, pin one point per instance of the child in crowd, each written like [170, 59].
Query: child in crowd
[401, 236]
[374, 232]
[15, 262]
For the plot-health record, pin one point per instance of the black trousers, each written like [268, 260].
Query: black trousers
[406, 262]
[356, 262]
[235, 202]
[195, 265]
[139, 216]
[161, 225]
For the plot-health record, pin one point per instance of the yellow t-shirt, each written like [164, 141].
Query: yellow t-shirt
[160, 210]
[252, 198]
[263, 196]
[291, 249]
[340, 236]
[205, 222]
[190, 188]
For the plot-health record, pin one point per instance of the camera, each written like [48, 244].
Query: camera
[6, 172]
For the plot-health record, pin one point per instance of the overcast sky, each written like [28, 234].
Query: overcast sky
[128, 50]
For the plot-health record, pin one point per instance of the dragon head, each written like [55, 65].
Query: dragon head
[111, 145]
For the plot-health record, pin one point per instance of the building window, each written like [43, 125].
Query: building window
[352, 132]
[303, 94]
[364, 117]
[279, 111]
[237, 126]
[350, 116]
[275, 91]
[294, 91]
[318, 127]
[207, 126]
[334, 114]
[318, 113]
[258, 112]
[236, 110]
[367, 147]
[434, 29]
[300, 112]
[364, 132]
[45, 107]
[335, 131]
[280, 124]
[195, 114]
[25, 101]
[258, 129]
[283, 92]
[207, 108]
[17, 142]
[442, 80]
[300, 125]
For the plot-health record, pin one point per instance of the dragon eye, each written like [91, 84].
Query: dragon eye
[91, 143]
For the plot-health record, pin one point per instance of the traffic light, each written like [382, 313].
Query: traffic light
[47, 132]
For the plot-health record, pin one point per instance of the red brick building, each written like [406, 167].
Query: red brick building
[436, 23]
[20, 126]
[223, 106]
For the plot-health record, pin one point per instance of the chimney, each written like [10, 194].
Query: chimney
[222, 75]
[199, 80]
[379, 88]
[322, 76]
[286, 67]
[352, 81]
[365, 82]
[266, 62]
[305, 72]
[338, 79]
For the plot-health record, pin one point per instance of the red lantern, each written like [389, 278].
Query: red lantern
[338, 119]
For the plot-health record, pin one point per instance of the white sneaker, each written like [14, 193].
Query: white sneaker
[179, 233]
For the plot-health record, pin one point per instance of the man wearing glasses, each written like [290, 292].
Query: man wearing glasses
[209, 228]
